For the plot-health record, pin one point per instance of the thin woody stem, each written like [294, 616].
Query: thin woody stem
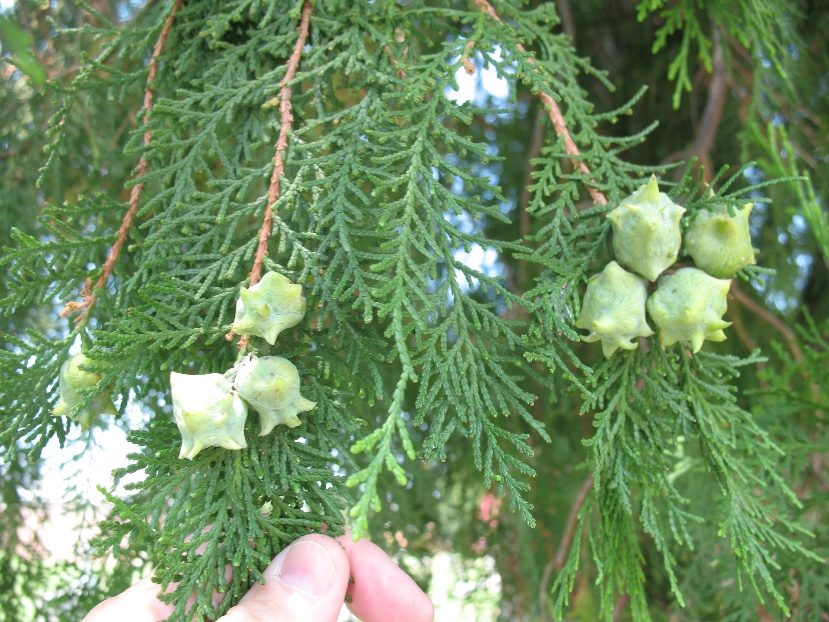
[90, 295]
[554, 112]
[791, 341]
[285, 120]
[557, 563]
[714, 107]
[561, 130]
[767, 316]
[400, 73]
[467, 64]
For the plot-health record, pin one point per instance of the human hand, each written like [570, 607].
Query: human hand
[307, 581]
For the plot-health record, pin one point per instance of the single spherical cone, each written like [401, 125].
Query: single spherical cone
[207, 413]
[688, 306]
[269, 307]
[73, 376]
[614, 309]
[72, 381]
[719, 243]
[271, 386]
[646, 234]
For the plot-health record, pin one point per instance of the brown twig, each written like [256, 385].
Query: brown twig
[285, 120]
[767, 316]
[568, 24]
[400, 73]
[714, 106]
[561, 130]
[706, 131]
[622, 602]
[743, 335]
[524, 218]
[789, 336]
[739, 327]
[555, 115]
[468, 66]
[90, 295]
[10, 153]
[557, 563]
[816, 459]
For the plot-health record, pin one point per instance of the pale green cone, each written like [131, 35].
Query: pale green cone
[720, 244]
[688, 306]
[71, 379]
[271, 386]
[646, 234]
[269, 307]
[614, 309]
[207, 413]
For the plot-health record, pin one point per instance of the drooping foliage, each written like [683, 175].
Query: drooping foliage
[442, 245]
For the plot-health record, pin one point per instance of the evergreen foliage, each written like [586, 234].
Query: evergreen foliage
[193, 145]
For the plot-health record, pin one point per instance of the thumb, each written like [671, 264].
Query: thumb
[306, 582]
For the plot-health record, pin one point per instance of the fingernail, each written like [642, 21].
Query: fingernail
[306, 567]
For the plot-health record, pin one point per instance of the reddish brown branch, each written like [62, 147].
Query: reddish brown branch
[286, 119]
[467, 64]
[622, 602]
[557, 563]
[568, 24]
[740, 328]
[555, 115]
[524, 218]
[400, 73]
[706, 132]
[736, 317]
[789, 336]
[90, 295]
[487, 8]
[570, 146]
[714, 106]
[770, 318]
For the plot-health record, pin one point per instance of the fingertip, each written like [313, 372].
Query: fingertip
[139, 603]
[313, 564]
[306, 581]
[381, 586]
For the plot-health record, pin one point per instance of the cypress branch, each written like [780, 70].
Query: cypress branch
[550, 105]
[285, 121]
[377, 191]
[90, 294]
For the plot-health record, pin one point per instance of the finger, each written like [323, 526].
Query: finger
[138, 604]
[305, 583]
[381, 590]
